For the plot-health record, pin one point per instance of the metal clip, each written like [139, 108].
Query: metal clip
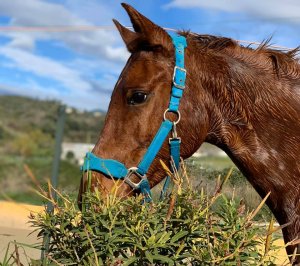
[174, 133]
[131, 171]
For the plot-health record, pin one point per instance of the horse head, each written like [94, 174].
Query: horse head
[139, 104]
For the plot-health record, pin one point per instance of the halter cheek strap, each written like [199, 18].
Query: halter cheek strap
[118, 170]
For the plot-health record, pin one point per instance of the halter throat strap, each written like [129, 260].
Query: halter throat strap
[118, 170]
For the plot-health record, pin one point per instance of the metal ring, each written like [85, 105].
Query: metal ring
[174, 112]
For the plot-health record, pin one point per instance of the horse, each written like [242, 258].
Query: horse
[245, 101]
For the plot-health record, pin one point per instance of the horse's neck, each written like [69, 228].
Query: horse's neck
[260, 130]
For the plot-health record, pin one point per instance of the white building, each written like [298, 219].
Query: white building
[78, 150]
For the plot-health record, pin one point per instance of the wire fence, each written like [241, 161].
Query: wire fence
[87, 28]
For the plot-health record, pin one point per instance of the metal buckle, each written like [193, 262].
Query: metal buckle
[182, 87]
[131, 171]
[178, 138]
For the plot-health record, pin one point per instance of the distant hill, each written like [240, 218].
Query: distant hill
[20, 115]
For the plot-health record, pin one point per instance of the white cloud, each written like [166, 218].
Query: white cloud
[117, 53]
[224, 5]
[37, 13]
[289, 9]
[81, 100]
[30, 89]
[95, 11]
[45, 67]
[42, 13]
[23, 41]
[90, 66]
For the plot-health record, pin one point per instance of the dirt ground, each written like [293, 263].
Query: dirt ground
[14, 227]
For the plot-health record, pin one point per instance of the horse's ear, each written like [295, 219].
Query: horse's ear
[129, 37]
[148, 33]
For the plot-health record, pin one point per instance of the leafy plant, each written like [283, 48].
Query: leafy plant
[124, 232]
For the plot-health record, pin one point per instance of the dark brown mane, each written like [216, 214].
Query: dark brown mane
[283, 62]
[211, 42]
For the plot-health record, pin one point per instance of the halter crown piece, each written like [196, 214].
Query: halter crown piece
[118, 170]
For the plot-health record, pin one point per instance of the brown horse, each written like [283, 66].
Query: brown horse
[245, 101]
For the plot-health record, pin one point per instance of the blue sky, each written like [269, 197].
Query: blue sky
[80, 68]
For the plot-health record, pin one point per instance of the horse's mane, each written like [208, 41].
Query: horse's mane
[286, 61]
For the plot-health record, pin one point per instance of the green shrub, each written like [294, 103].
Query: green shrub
[115, 232]
[33, 143]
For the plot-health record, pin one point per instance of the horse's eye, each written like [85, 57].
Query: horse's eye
[137, 97]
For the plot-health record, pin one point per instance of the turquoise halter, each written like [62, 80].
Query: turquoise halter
[118, 170]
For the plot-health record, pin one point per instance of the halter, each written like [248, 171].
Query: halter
[118, 170]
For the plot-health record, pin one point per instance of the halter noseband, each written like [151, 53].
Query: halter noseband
[118, 170]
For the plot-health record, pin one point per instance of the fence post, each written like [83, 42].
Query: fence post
[55, 171]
